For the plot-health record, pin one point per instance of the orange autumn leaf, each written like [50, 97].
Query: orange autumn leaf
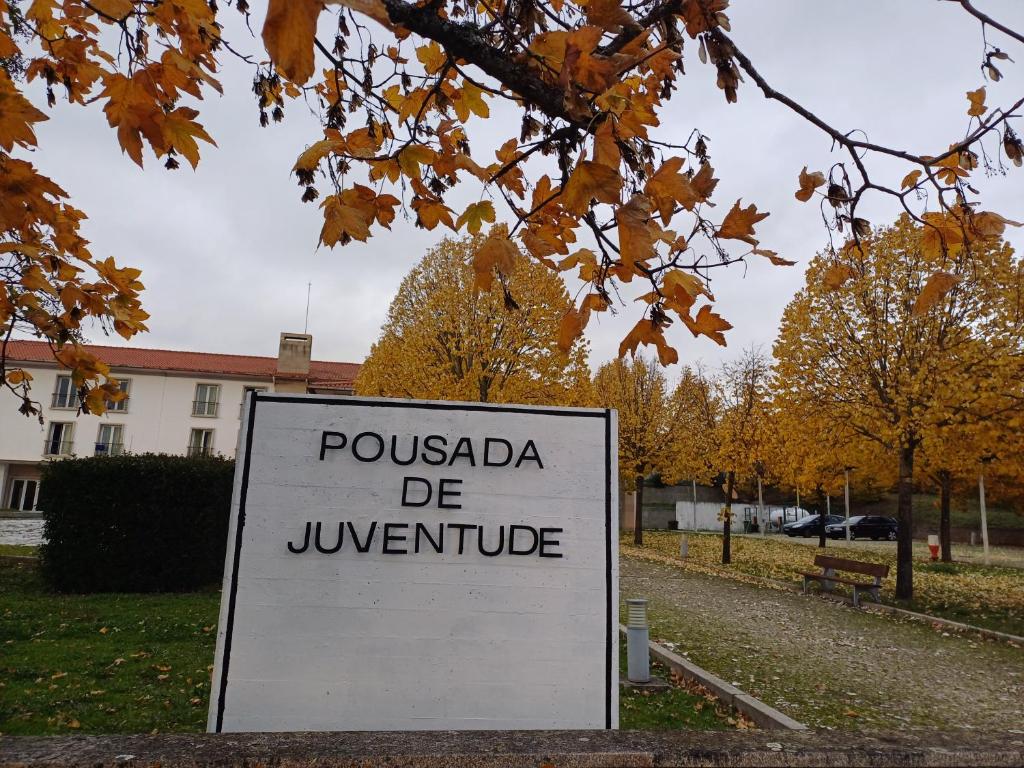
[739, 223]
[808, 183]
[637, 231]
[935, 289]
[710, 324]
[647, 332]
[288, 34]
[571, 327]
[910, 179]
[180, 132]
[16, 116]
[591, 181]
[667, 187]
[773, 257]
[496, 253]
[836, 275]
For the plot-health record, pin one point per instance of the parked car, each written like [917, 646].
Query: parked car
[872, 527]
[808, 526]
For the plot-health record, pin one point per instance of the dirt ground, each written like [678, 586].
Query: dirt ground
[830, 665]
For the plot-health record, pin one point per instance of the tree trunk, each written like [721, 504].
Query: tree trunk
[638, 520]
[945, 492]
[730, 481]
[905, 514]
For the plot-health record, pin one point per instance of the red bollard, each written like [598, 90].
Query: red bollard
[933, 546]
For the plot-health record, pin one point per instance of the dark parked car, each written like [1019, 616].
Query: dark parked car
[872, 527]
[808, 526]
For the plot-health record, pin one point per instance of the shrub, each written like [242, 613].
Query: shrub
[135, 523]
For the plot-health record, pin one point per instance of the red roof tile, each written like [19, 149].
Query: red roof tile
[187, 362]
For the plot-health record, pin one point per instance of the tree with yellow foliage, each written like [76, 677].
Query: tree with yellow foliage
[588, 178]
[443, 340]
[651, 420]
[743, 432]
[901, 336]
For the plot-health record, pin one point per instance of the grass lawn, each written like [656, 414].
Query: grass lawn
[18, 550]
[129, 663]
[102, 663]
[989, 597]
[675, 709]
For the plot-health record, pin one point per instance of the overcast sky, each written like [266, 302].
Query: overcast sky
[227, 251]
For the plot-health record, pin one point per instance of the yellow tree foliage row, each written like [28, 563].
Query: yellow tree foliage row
[652, 416]
[445, 341]
[868, 353]
[590, 181]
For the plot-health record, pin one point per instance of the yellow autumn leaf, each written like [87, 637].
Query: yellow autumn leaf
[411, 157]
[431, 57]
[977, 101]
[475, 215]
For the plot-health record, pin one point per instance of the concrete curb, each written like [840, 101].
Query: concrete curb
[908, 748]
[790, 586]
[763, 715]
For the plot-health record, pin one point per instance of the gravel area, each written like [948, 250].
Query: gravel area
[830, 665]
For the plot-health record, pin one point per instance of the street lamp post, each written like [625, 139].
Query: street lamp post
[846, 478]
[984, 518]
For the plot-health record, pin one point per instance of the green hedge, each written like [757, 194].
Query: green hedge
[135, 523]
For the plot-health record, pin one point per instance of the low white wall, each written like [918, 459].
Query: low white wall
[705, 516]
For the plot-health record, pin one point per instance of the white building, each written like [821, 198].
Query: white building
[177, 402]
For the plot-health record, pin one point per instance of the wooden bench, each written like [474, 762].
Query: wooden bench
[828, 578]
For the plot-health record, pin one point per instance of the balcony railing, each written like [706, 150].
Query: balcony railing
[109, 449]
[58, 447]
[204, 407]
[200, 450]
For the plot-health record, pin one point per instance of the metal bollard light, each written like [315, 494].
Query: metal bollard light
[638, 659]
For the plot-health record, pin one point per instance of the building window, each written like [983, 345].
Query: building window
[64, 394]
[60, 438]
[110, 440]
[205, 403]
[245, 395]
[23, 494]
[121, 406]
[200, 442]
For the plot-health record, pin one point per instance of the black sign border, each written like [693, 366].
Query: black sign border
[257, 397]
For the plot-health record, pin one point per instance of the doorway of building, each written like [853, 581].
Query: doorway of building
[23, 494]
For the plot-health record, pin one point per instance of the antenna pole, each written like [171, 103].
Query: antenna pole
[305, 328]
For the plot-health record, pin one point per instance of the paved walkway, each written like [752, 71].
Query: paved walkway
[830, 665]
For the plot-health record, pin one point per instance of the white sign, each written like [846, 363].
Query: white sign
[419, 565]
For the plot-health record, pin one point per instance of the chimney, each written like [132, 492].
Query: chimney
[293, 358]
